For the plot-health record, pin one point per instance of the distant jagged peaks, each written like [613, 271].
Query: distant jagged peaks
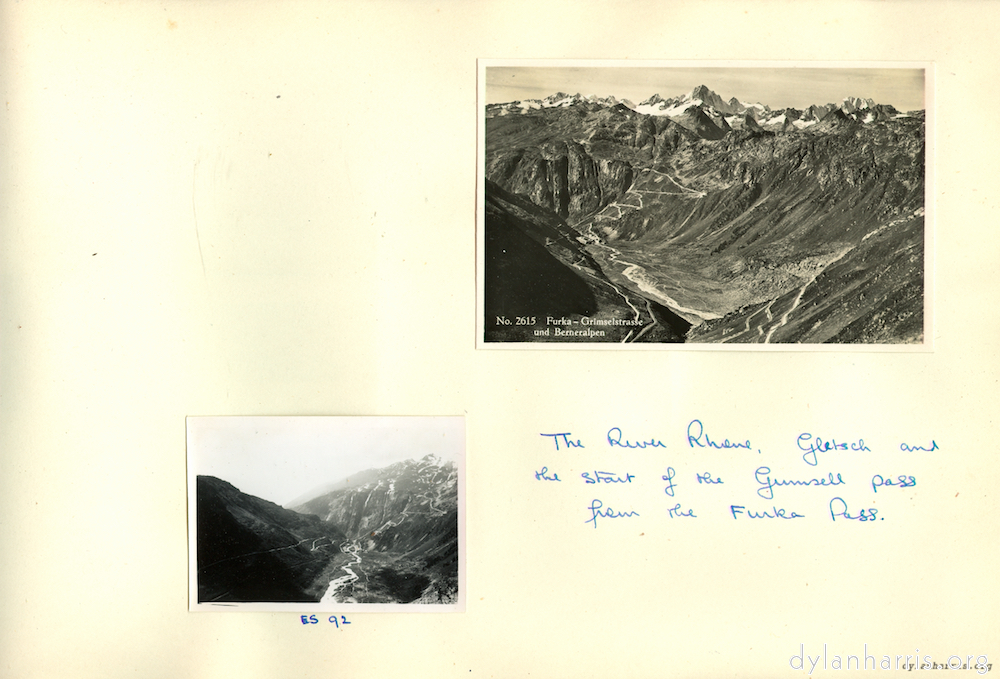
[700, 96]
[705, 97]
[836, 115]
[557, 100]
[709, 98]
[852, 104]
[432, 460]
[652, 101]
[607, 101]
[703, 111]
[817, 112]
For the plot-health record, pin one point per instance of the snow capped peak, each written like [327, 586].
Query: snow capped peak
[701, 99]
[703, 95]
[652, 101]
[852, 104]
[700, 96]
[558, 100]
[562, 100]
[432, 459]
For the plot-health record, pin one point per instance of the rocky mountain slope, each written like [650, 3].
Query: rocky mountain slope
[403, 520]
[750, 225]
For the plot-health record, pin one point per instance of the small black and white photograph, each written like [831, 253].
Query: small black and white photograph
[326, 513]
[742, 204]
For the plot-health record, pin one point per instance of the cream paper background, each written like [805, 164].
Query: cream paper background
[178, 240]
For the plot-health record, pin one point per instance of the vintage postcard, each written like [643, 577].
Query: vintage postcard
[738, 204]
[326, 513]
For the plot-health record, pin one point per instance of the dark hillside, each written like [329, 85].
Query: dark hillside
[250, 549]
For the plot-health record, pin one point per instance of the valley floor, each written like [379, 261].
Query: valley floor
[358, 577]
[865, 290]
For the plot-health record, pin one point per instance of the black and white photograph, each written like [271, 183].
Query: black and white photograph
[326, 513]
[739, 204]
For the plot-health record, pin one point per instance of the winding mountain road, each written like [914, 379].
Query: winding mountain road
[684, 191]
[798, 298]
[263, 551]
[633, 272]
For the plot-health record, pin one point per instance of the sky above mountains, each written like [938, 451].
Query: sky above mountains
[279, 458]
[776, 87]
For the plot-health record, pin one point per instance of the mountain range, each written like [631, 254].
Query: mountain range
[701, 219]
[732, 112]
[386, 535]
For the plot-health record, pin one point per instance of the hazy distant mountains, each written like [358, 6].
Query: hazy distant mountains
[387, 535]
[701, 100]
[701, 219]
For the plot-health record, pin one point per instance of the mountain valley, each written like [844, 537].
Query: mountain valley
[386, 535]
[696, 219]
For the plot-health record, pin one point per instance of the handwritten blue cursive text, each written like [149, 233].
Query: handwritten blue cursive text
[543, 475]
[669, 478]
[906, 448]
[677, 511]
[775, 513]
[607, 477]
[767, 484]
[901, 481]
[567, 442]
[841, 507]
[596, 510]
[697, 437]
[615, 439]
[815, 445]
